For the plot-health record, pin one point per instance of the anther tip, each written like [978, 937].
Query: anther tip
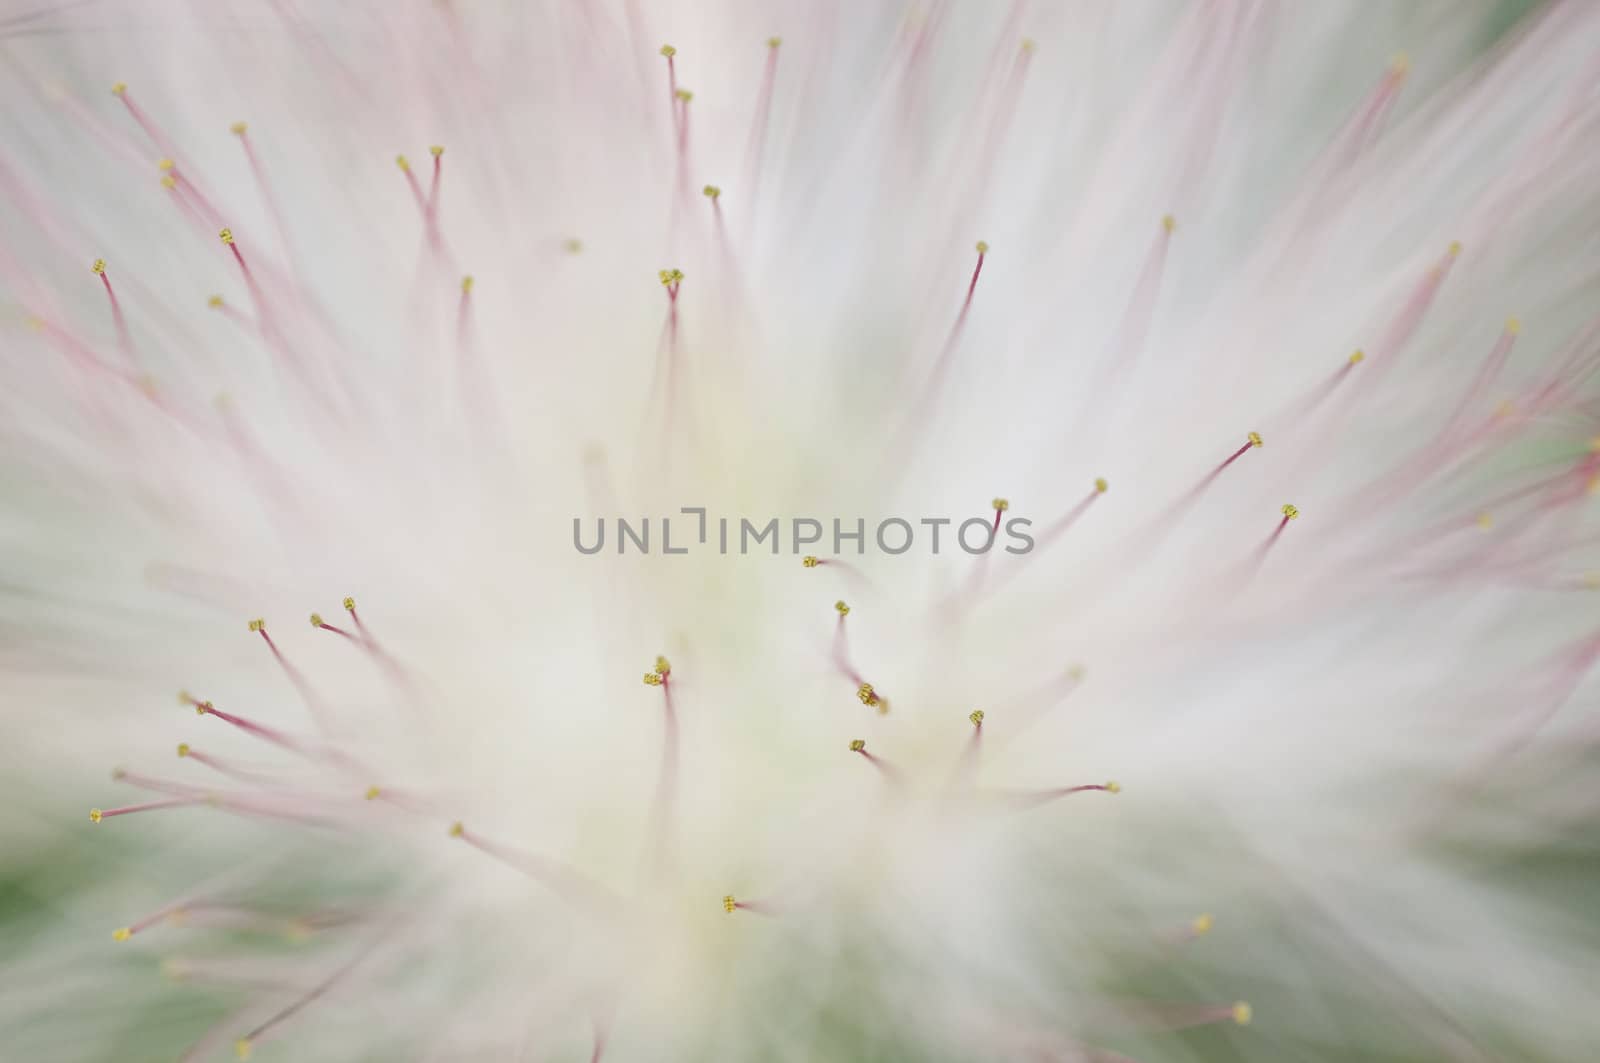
[858, 745]
[349, 603]
[1113, 787]
[1202, 923]
[94, 815]
[1358, 357]
[457, 829]
[668, 50]
[1513, 325]
[183, 749]
[976, 716]
[711, 192]
[841, 607]
[729, 904]
[1290, 512]
[983, 247]
[809, 561]
[119, 88]
[122, 933]
[466, 284]
[214, 302]
[238, 129]
[773, 42]
[436, 150]
[226, 236]
[1242, 1013]
[1101, 486]
[1255, 439]
[402, 162]
[372, 793]
[242, 1048]
[316, 619]
[99, 266]
[1001, 504]
[1169, 223]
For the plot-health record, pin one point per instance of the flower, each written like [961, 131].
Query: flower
[958, 256]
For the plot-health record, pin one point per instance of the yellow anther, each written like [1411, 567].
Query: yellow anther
[651, 679]
[1002, 504]
[1242, 1013]
[241, 1048]
[1169, 223]
[1400, 65]
[983, 247]
[316, 619]
[1255, 439]
[436, 151]
[122, 933]
[1592, 581]
[372, 793]
[214, 302]
[1101, 486]
[809, 561]
[1113, 787]
[1455, 248]
[165, 164]
[203, 707]
[711, 192]
[663, 667]
[1513, 325]
[238, 128]
[668, 50]
[119, 88]
[976, 716]
[184, 697]
[857, 745]
[183, 749]
[168, 181]
[773, 42]
[867, 695]
[349, 603]
[670, 277]
[572, 245]
[94, 815]
[457, 829]
[729, 904]
[1076, 673]
[1594, 485]
[99, 265]
[226, 236]
[1357, 357]
[841, 607]
[1029, 44]
[684, 94]
[1485, 520]
[1505, 409]
[1202, 923]
[466, 284]
[402, 162]
[258, 625]
[1289, 512]
[118, 774]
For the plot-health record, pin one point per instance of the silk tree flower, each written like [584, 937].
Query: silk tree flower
[1271, 325]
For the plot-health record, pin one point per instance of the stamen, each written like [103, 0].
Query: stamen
[758, 131]
[124, 340]
[96, 815]
[318, 622]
